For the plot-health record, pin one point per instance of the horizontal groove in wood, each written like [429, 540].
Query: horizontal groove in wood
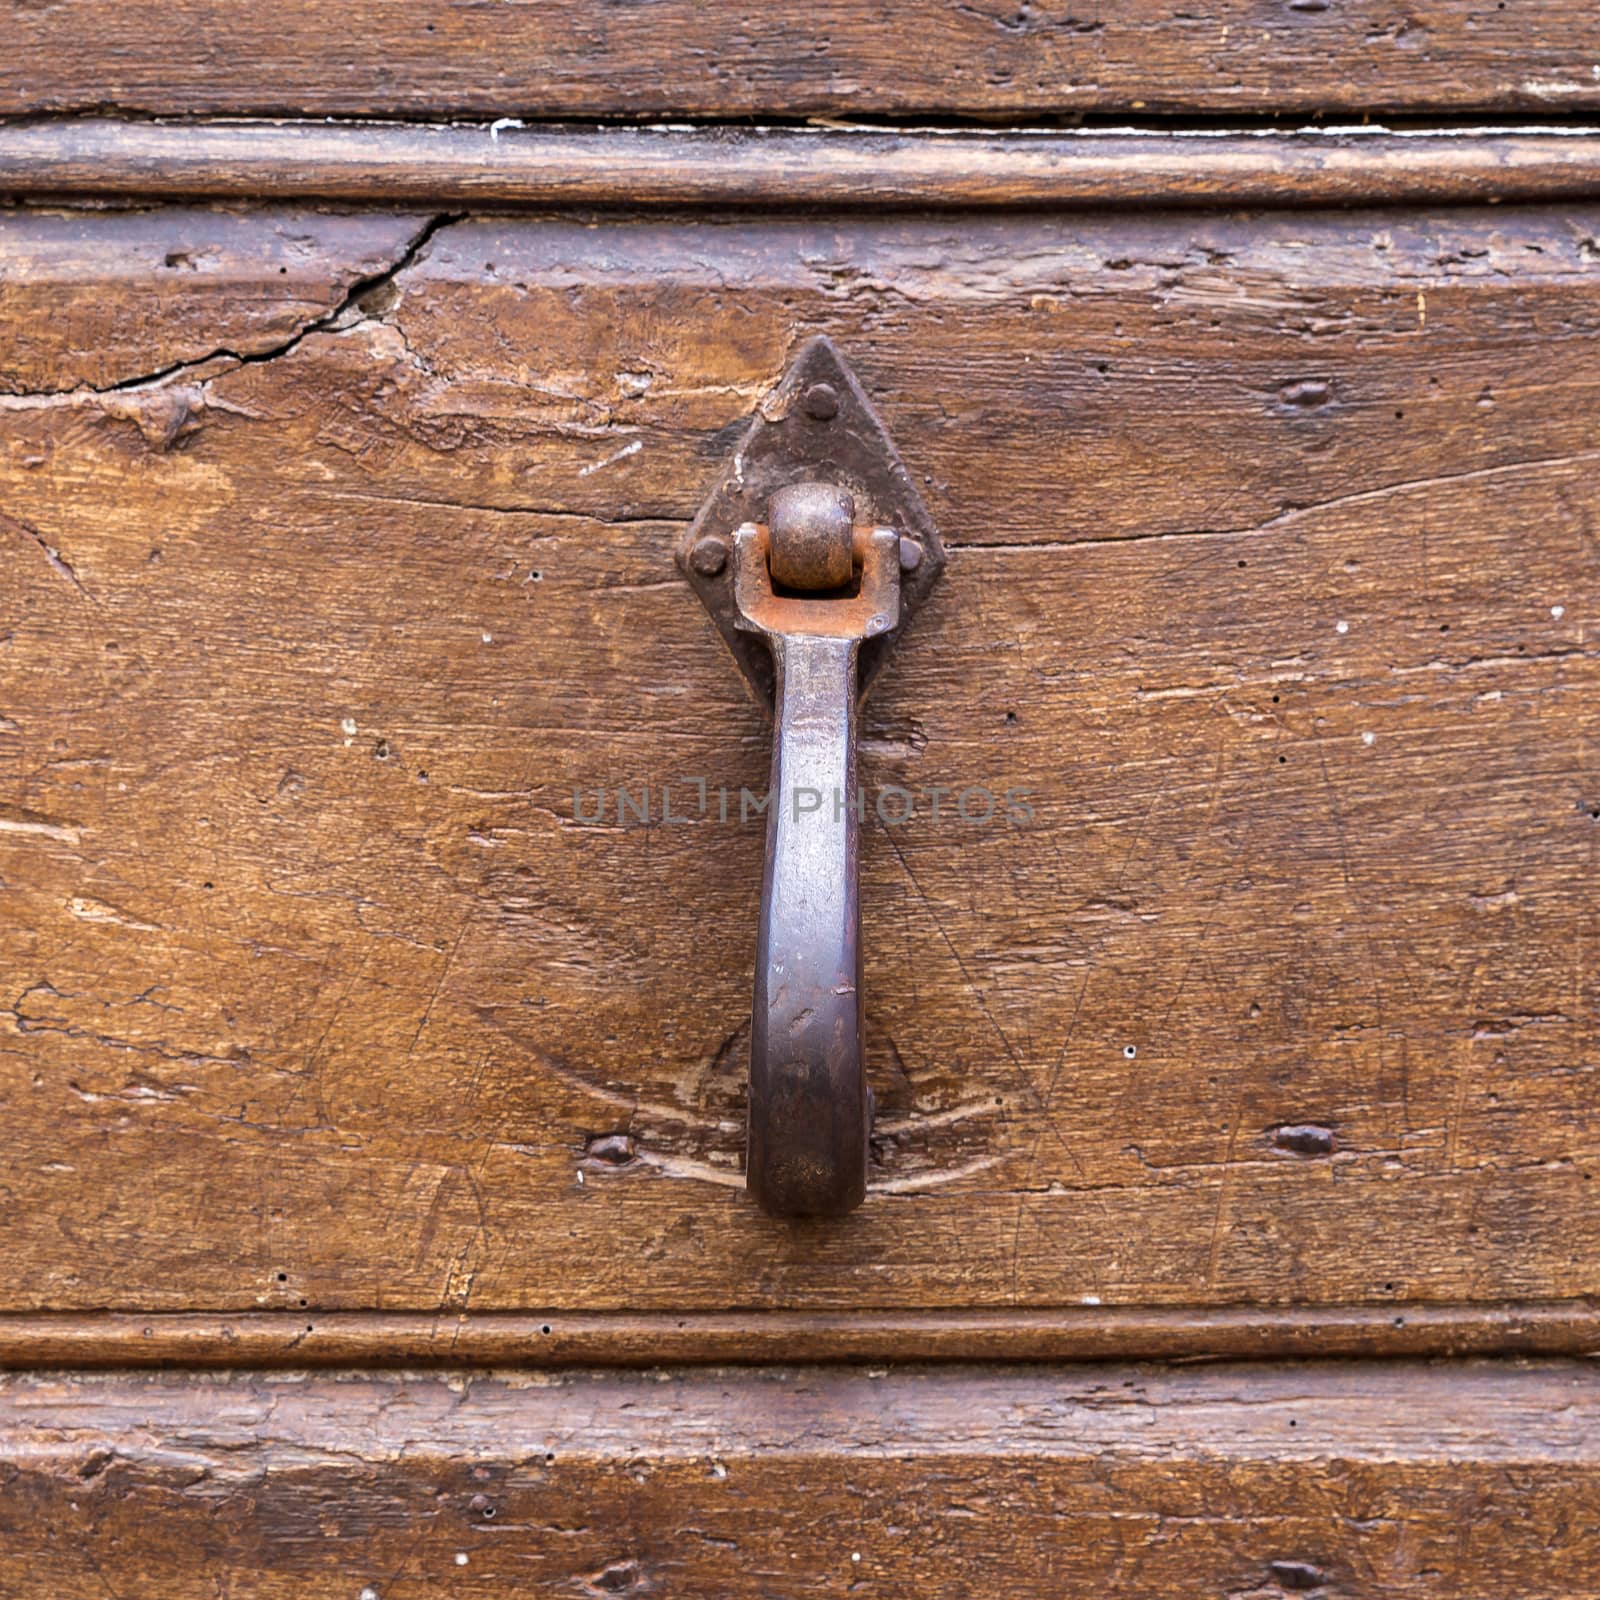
[493, 165]
[556, 1339]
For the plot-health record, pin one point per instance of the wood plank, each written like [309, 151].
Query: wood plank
[1273, 583]
[295, 1340]
[988, 58]
[1471, 1483]
[781, 168]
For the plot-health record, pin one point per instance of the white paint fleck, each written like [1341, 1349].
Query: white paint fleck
[1368, 738]
[461, 1558]
[632, 448]
[369, 1593]
[488, 638]
[855, 1555]
[580, 1180]
[718, 1470]
[1091, 1300]
[1341, 626]
[348, 728]
[501, 123]
[1558, 612]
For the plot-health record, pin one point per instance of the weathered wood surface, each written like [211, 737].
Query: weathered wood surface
[531, 1339]
[1467, 1484]
[778, 168]
[93, 300]
[988, 58]
[1273, 581]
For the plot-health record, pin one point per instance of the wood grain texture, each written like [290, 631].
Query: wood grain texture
[1466, 1484]
[1273, 583]
[988, 58]
[454, 165]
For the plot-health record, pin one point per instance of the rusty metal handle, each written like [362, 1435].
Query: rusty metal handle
[815, 586]
[808, 1083]
[810, 602]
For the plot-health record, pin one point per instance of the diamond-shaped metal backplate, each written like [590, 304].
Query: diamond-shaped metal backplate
[816, 425]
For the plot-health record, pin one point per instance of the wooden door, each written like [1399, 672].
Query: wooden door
[374, 1216]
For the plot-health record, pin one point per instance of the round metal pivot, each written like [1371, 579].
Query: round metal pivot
[809, 528]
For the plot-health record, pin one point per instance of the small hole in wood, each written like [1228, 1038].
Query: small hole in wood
[1305, 1139]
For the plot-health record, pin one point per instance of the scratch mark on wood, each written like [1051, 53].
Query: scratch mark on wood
[632, 448]
[13, 819]
[86, 909]
[57, 562]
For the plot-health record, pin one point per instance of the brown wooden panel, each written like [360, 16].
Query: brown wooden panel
[473, 164]
[785, 57]
[1466, 1484]
[1273, 583]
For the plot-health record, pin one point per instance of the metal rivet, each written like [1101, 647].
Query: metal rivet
[821, 402]
[709, 556]
[910, 554]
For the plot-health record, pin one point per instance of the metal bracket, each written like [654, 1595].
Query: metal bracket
[810, 555]
[816, 426]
